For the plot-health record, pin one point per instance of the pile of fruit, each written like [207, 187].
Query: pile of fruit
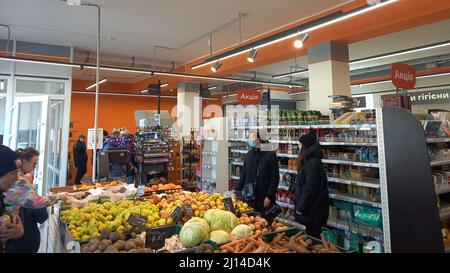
[259, 223]
[92, 219]
[114, 242]
[300, 243]
[163, 187]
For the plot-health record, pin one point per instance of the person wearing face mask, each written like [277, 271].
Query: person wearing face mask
[260, 175]
[10, 226]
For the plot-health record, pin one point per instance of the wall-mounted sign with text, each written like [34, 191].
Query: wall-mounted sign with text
[430, 97]
[249, 97]
[403, 76]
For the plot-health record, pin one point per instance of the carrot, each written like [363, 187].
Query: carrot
[233, 243]
[256, 242]
[261, 249]
[257, 235]
[248, 247]
[324, 241]
[230, 249]
[296, 248]
[269, 250]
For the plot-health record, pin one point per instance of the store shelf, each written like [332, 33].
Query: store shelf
[287, 155]
[332, 143]
[351, 163]
[440, 162]
[245, 127]
[284, 141]
[286, 188]
[208, 166]
[438, 139]
[285, 205]
[235, 177]
[284, 169]
[345, 126]
[364, 231]
[289, 127]
[239, 151]
[365, 182]
[352, 199]
[237, 163]
[442, 190]
[237, 140]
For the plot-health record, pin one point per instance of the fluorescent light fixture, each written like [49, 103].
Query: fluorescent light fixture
[251, 57]
[95, 84]
[402, 52]
[212, 87]
[300, 41]
[308, 30]
[142, 71]
[144, 91]
[73, 2]
[2, 84]
[164, 85]
[305, 71]
[216, 66]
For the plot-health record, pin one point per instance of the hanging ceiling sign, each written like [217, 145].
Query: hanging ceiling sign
[249, 97]
[430, 97]
[403, 76]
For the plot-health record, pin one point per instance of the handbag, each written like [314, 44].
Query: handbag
[248, 192]
[271, 212]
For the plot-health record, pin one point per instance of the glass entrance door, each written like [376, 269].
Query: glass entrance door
[29, 129]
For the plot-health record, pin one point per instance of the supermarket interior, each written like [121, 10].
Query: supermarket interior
[256, 126]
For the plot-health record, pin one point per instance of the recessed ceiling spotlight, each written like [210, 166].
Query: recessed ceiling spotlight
[252, 56]
[216, 66]
[301, 39]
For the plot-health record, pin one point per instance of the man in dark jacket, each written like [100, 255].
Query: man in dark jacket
[311, 189]
[80, 157]
[260, 170]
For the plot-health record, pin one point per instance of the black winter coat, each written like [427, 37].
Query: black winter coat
[79, 154]
[267, 179]
[311, 190]
[31, 239]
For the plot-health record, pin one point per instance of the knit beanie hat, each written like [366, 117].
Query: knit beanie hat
[308, 139]
[7, 160]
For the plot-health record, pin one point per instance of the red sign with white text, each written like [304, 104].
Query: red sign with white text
[403, 76]
[249, 97]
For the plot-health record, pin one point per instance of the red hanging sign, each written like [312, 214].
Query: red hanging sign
[403, 76]
[249, 97]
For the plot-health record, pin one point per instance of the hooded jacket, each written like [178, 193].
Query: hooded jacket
[311, 189]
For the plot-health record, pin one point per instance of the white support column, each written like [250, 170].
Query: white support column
[189, 108]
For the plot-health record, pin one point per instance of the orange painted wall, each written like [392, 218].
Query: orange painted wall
[114, 111]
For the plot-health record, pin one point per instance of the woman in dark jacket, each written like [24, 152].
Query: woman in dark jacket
[311, 189]
[80, 157]
[261, 170]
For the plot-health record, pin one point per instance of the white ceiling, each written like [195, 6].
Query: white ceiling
[136, 26]
[419, 36]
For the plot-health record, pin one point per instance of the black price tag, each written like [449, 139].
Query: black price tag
[155, 238]
[188, 210]
[228, 204]
[137, 220]
[177, 214]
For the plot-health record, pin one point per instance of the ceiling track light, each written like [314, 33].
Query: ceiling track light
[164, 85]
[291, 74]
[301, 39]
[2, 84]
[295, 31]
[212, 87]
[95, 84]
[216, 66]
[251, 57]
[141, 71]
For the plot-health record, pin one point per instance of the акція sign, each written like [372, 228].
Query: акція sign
[430, 97]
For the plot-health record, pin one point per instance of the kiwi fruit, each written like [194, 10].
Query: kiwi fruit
[102, 245]
[105, 234]
[85, 249]
[120, 244]
[111, 249]
[148, 250]
[98, 251]
[130, 245]
[134, 250]
[108, 242]
[93, 247]
[139, 242]
[94, 241]
[123, 251]
[114, 237]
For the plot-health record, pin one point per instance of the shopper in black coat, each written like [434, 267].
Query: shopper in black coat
[80, 157]
[260, 169]
[311, 189]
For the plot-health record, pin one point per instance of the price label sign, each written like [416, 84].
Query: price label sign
[177, 214]
[137, 220]
[188, 210]
[228, 204]
[155, 238]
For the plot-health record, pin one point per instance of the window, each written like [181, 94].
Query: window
[2, 117]
[3, 85]
[40, 87]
